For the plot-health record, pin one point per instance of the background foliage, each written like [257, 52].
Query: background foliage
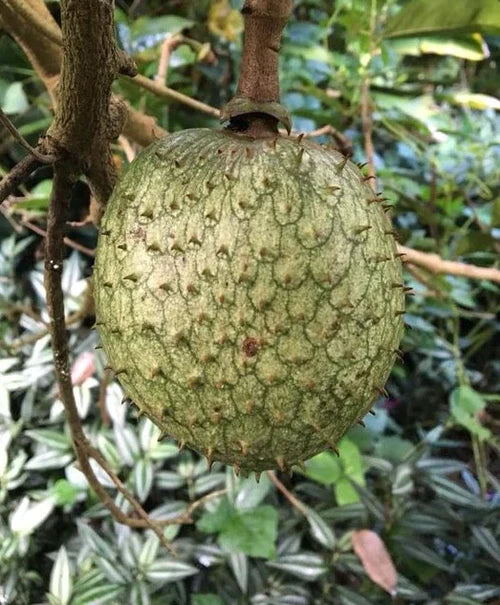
[422, 472]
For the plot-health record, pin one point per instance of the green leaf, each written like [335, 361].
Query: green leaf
[38, 198]
[163, 571]
[420, 17]
[64, 492]
[371, 502]
[487, 540]
[393, 448]
[306, 566]
[239, 564]
[471, 47]
[207, 599]
[166, 24]
[60, 578]
[143, 478]
[423, 553]
[48, 460]
[352, 461]
[251, 493]
[149, 551]
[324, 468]
[349, 597]
[253, 532]
[113, 571]
[465, 403]
[474, 100]
[345, 493]
[215, 521]
[140, 594]
[402, 483]
[320, 529]
[53, 439]
[98, 595]
[453, 493]
[96, 544]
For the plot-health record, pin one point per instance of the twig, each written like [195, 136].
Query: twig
[128, 150]
[168, 93]
[437, 265]
[64, 178]
[168, 45]
[68, 241]
[344, 143]
[101, 399]
[432, 203]
[41, 157]
[300, 506]
[367, 126]
[18, 175]
[424, 280]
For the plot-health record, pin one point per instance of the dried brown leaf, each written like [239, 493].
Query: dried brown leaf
[376, 560]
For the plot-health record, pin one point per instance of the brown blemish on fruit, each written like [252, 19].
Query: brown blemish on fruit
[250, 347]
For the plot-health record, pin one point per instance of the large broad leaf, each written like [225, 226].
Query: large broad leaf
[474, 101]
[471, 47]
[324, 468]
[421, 17]
[253, 532]
[250, 531]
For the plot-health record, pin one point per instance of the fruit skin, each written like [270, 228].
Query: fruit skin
[248, 294]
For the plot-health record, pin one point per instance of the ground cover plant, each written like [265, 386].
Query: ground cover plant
[407, 511]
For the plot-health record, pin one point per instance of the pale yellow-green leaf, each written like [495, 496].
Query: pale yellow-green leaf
[475, 100]
[224, 21]
[470, 47]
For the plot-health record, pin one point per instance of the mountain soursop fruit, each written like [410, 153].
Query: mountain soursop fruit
[249, 294]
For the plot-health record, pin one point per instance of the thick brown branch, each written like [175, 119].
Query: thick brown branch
[46, 56]
[90, 64]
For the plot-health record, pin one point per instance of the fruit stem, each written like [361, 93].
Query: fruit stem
[259, 76]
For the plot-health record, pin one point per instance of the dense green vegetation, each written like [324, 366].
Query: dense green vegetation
[421, 474]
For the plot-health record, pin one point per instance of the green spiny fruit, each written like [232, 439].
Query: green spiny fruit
[248, 294]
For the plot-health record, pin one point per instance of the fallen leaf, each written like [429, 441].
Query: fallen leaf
[375, 559]
[83, 368]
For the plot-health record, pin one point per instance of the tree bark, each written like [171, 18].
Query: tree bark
[46, 57]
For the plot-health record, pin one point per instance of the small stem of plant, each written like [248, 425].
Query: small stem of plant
[300, 506]
[264, 23]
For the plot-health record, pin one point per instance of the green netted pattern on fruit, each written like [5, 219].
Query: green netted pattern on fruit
[248, 294]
